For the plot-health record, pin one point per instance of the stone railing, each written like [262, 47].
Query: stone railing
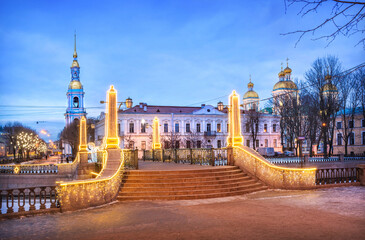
[199, 156]
[39, 169]
[273, 176]
[337, 175]
[23, 201]
[91, 192]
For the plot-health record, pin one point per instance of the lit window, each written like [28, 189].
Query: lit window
[265, 127]
[219, 127]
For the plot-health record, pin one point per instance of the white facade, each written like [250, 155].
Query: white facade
[203, 127]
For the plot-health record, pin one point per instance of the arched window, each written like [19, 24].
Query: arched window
[76, 102]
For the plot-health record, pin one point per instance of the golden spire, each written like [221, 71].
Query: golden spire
[250, 84]
[287, 69]
[75, 53]
[287, 62]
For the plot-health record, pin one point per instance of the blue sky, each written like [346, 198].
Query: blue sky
[159, 52]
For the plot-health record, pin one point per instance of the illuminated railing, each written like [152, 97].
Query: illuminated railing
[201, 156]
[337, 175]
[88, 193]
[28, 200]
[40, 169]
[274, 176]
[131, 159]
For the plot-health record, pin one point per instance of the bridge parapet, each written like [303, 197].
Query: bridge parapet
[93, 192]
[273, 176]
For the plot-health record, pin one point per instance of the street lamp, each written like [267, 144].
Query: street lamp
[128, 103]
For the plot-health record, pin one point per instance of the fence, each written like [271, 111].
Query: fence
[28, 200]
[315, 159]
[201, 156]
[130, 159]
[337, 175]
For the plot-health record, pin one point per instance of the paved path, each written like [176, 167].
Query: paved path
[336, 213]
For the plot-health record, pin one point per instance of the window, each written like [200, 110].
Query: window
[166, 127]
[351, 124]
[219, 129]
[131, 145]
[275, 143]
[143, 127]
[209, 127]
[339, 125]
[118, 129]
[274, 127]
[76, 102]
[198, 144]
[188, 144]
[257, 143]
[265, 127]
[177, 127]
[266, 143]
[363, 123]
[143, 145]
[247, 127]
[166, 144]
[248, 143]
[352, 139]
[257, 127]
[363, 138]
[339, 139]
[187, 128]
[198, 127]
[177, 144]
[219, 144]
[131, 127]
[227, 127]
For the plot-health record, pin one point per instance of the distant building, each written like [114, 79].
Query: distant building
[356, 140]
[187, 127]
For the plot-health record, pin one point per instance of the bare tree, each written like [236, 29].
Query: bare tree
[327, 101]
[348, 102]
[345, 17]
[252, 124]
[170, 140]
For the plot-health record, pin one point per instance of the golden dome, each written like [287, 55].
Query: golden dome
[329, 87]
[75, 85]
[250, 84]
[285, 85]
[75, 63]
[287, 70]
[281, 74]
[250, 94]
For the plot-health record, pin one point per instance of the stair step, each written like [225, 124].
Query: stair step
[184, 179]
[127, 183]
[182, 171]
[131, 176]
[177, 187]
[195, 196]
[177, 192]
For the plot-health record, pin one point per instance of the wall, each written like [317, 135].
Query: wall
[273, 176]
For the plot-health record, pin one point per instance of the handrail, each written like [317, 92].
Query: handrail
[272, 175]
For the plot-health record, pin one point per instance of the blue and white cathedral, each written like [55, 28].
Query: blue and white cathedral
[75, 94]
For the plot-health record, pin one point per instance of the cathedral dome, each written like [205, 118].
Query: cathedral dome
[75, 85]
[285, 85]
[250, 94]
[287, 70]
[329, 87]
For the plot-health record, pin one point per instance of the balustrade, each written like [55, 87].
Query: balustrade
[201, 156]
[28, 199]
[337, 175]
[29, 169]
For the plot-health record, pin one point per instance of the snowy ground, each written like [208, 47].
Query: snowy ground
[336, 213]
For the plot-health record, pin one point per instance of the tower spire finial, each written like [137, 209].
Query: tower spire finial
[75, 53]
[281, 66]
[250, 77]
[287, 62]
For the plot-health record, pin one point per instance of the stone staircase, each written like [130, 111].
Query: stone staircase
[187, 184]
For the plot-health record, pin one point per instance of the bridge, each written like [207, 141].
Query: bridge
[161, 174]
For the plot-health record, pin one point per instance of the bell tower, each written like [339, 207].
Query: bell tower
[75, 93]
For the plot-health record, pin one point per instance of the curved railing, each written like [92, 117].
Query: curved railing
[88, 193]
[37, 169]
[271, 175]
